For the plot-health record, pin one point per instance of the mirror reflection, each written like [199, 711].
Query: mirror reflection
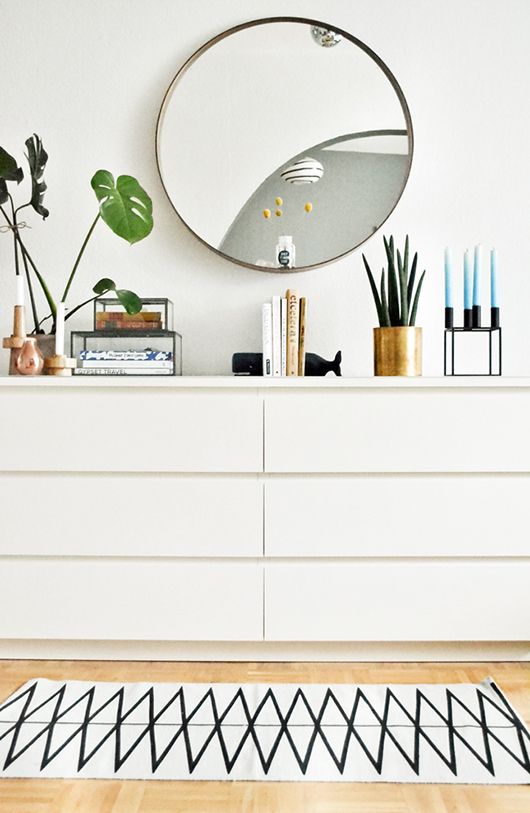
[284, 129]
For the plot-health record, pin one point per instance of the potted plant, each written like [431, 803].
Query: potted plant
[123, 205]
[397, 340]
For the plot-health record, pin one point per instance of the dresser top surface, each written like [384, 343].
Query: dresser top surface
[261, 383]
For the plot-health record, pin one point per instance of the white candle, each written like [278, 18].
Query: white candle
[59, 330]
[19, 296]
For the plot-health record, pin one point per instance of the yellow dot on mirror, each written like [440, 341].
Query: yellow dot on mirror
[278, 212]
[278, 201]
[266, 213]
[308, 207]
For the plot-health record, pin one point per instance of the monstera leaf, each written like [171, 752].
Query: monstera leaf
[125, 207]
[37, 158]
[9, 171]
[130, 301]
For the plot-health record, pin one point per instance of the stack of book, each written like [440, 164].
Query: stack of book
[120, 320]
[284, 331]
[125, 362]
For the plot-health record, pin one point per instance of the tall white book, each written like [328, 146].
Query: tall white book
[266, 326]
[284, 336]
[276, 336]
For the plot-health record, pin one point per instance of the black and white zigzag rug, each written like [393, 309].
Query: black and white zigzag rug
[368, 733]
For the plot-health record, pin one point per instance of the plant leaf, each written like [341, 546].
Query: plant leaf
[384, 304]
[130, 301]
[125, 207]
[393, 301]
[403, 290]
[375, 292]
[412, 279]
[104, 285]
[9, 171]
[416, 300]
[3, 192]
[37, 158]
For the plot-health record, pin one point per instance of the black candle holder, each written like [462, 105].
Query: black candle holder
[494, 333]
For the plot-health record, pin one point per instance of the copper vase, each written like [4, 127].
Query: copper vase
[30, 360]
[397, 351]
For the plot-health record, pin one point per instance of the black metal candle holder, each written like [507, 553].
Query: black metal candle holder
[471, 327]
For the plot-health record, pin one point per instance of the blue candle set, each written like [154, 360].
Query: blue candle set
[472, 290]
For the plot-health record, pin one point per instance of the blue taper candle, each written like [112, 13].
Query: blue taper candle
[467, 281]
[476, 275]
[448, 272]
[493, 279]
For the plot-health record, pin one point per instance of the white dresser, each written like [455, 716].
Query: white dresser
[265, 518]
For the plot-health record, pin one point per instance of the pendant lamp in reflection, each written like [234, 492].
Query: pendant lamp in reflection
[305, 170]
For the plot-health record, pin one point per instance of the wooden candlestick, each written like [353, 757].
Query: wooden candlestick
[59, 365]
[16, 341]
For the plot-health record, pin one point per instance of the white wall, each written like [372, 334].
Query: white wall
[89, 77]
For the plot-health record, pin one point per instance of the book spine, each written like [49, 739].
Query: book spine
[134, 365]
[292, 333]
[121, 325]
[266, 324]
[121, 371]
[301, 335]
[143, 316]
[284, 337]
[276, 337]
[125, 355]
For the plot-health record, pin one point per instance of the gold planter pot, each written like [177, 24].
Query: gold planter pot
[397, 351]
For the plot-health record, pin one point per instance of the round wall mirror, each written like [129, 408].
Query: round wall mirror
[284, 132]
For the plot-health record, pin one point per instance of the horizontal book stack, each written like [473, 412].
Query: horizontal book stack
[120, 320]
[284, 331]
[125, 362]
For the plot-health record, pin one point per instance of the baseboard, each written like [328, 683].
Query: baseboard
[252, 651]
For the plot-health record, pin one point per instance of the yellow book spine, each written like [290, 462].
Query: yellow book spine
[301, 335]
[292, 332]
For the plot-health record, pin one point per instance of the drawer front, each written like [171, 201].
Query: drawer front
[131, 515]
[437, 601]
[130, 600]
[398, 515]
[130, 430]
[398, 431]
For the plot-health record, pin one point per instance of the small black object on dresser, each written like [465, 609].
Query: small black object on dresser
[252, 364]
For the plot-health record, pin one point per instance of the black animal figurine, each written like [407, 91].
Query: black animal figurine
[252, 364]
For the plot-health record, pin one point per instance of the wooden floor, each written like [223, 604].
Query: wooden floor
[110, 796]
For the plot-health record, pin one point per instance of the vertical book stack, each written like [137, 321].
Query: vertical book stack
[284, 331]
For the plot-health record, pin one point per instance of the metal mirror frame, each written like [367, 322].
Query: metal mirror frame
[263, 21]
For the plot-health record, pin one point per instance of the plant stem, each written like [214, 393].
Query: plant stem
[25, 252]
[15, 244]
[81, 252]
[24, 205]
[26, 269]
[82, 305]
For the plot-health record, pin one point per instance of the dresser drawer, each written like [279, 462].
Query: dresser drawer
[130, 600]
[439, 601]
[398, 515]
[398, 430]
[131, 515]
[142, 429]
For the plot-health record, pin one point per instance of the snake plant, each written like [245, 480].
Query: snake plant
[396, 300]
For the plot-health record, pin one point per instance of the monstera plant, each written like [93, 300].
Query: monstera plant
[124, 206]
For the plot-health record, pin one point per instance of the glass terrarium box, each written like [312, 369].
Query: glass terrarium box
[132, 353]
[156, 314]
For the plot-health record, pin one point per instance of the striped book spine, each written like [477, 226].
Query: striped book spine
[292, 333]
[301, 335]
